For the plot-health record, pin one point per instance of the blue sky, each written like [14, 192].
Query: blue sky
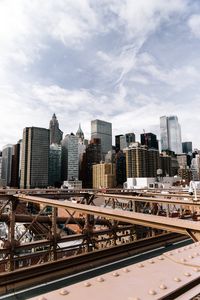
[127, 62]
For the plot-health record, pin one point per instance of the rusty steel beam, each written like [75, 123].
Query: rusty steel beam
[21, 218]
[187, 227]
[154, 200]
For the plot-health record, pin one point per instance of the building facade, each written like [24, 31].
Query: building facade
[126, 140]
[55, 165]
[170, 132]
[15, 170]
[117, 142]
[153, 162]
[102, 130]
[104, 175]
[6, 170]
[149, 139]
[0, 163]
[70, 158]
[92, 156]
[136, 161]
[187, 147]
[35, 158]
[120, 161]
[55, 133]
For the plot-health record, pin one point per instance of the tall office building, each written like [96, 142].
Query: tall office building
[7, 164]
[187, 147]
[81, 150]
[136, 161]
[126, 140]
[120, 161]
[70, 157]
[104, 175]
[117, 142]
[170, 134]
[55, 165]
[80, 134]
[0, 163]
[15, 173]
[35, 158]
[92, 156]
[149, 139]
[102, 130]
[55, 133]
[166, 164]
[153, 162]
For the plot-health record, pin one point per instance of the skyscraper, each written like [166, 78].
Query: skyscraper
[92, 156]
[120, 161]
[117, 142]
[170, 132]
[35, 158]
[126, 140]
[55, 133]
[104, 175]
[7, 164]
[15, 165]
[0, 163]
[102, 130]
[149, 139]
[136, 161]
[187, 147]
[55, 165]
[70, 157]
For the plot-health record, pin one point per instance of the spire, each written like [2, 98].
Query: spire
[80, 133]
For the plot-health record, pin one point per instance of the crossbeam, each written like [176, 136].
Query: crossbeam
[163, 200]
[187, 227]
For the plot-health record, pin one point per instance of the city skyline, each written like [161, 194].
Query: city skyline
[124, 62]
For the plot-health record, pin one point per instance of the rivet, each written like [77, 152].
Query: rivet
[197, 269]
[87, 284]
[178, 251]
[183, 260]
[191, 256]
[140, 265]
[177, 279]
[126, 270]
[133, 298]
[63, 292]
[187, 274]
[163, 286]
[152, 292]
[116, 274]
[42, 298]
[161, 258]
[151, 261]
[170, 254]
[100, 279]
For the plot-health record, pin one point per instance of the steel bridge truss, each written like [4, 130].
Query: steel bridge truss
[36, 233]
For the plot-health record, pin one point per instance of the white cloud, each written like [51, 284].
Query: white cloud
[194, 25]
[105, 44]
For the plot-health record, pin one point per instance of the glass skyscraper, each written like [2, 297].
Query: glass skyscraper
[102, 130]
[170, 132]
[70, 157]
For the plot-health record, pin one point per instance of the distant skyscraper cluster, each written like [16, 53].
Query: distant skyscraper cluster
[43, 157]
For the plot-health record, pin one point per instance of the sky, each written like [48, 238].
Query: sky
[127, 62]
